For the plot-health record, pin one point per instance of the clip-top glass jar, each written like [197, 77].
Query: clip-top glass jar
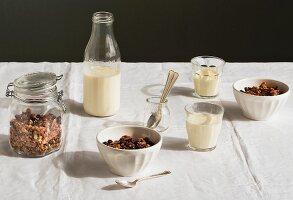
[152, 106]
[101, 72]
[35, 114]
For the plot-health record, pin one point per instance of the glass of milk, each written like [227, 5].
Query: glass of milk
[206, 75]
[203, 125]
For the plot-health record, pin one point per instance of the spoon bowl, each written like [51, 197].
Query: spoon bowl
[126, 184]
[155, 118]
[131, 184]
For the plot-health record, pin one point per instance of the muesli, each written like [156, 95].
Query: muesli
[35, 135]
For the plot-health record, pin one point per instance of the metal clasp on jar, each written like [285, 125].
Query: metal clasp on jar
[60, 100]
[58, 78]
[9, 93]
[60, 95]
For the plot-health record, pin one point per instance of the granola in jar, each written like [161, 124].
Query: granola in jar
[35, 135]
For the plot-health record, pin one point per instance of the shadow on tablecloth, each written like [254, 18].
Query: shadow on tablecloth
[4, 102]
[81, 164]
[5, 149]
[233, 111]
[157, 89]
[114, 187]
[174, 144]
[112, 123]
[181, 91]
[153, 89]
[75, 108]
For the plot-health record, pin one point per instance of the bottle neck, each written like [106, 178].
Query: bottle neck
[102, 23]
[102, 45]
[100, 29]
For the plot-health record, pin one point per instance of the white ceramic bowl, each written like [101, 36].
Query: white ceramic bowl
[128, 162]
[260, 107]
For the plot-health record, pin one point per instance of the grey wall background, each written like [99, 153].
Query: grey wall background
[150, 30]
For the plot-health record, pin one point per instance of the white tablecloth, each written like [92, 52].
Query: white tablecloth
[253, 159]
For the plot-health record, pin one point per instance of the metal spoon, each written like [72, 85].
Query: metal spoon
[131, 184]
[156, 117]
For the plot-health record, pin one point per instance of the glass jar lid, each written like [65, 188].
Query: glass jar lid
[37, 87]
[36, 81]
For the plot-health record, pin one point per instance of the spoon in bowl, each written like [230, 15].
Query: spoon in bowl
[131, 184]
[156, 117]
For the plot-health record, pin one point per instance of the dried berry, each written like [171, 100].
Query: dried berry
[127, 142]
[262, 90]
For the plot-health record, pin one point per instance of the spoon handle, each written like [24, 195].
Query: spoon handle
[172, 77]
[154, 176]
[170, 84]
[168, 81]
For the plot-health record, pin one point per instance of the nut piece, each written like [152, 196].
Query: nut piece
[35, 135]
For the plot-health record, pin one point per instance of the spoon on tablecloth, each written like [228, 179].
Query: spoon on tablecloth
[131, 184]
[156, 117]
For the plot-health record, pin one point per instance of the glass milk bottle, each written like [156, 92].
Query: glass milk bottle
[101, 72]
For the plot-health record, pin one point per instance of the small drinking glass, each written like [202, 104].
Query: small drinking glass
[203, 125]
[152, 106]
[206, 75]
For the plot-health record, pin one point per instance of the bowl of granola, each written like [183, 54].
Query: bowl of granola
[260, 99]
[128, 150]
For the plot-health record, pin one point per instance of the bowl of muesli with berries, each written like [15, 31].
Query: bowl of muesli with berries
[128, 150]
[260, 99]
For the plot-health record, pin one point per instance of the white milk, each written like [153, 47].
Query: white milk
[101, 91]
[206, 82]
[203, 130]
